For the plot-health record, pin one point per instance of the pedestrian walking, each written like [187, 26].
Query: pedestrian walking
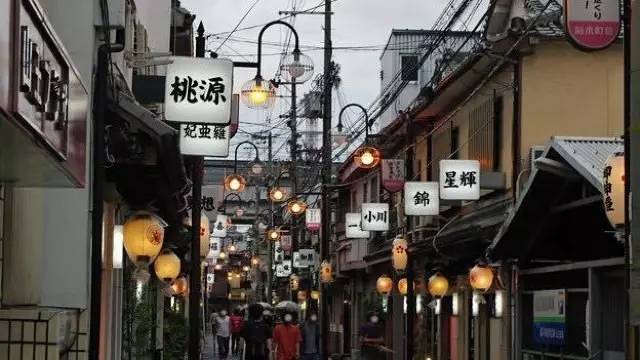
[256, 334]
[286, 339]
[222, 334]
[213, 320]
[372, 339]
[311, 338]
[237, 323]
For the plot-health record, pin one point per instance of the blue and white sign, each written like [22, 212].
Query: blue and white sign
[549, 309]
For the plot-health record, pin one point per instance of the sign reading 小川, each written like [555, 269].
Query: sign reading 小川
[354, 230]
[459, 179]
[312, 219]
[198, 90]
[421, 198]
[592, 24]
[392, 174]
[549, 309]
[375, 216]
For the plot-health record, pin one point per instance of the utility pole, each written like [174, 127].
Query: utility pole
[196, 213]
[269, 242]
[292, 169]
[411, 296]
[326, 174]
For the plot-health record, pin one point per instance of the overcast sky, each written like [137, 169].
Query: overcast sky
[355, 23]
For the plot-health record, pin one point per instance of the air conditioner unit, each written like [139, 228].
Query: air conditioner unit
[534, 153]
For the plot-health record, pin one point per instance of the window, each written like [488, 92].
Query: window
[455, 143]
[485, 128]
[409, 67]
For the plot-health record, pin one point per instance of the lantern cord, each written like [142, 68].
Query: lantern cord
[435, 237]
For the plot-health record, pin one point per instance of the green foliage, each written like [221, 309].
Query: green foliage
[175, 334]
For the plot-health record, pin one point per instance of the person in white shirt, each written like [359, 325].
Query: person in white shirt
[223, 333]
[213, 320]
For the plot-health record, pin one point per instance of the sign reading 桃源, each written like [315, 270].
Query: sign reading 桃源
[375, 216]
[392, 174]
[592, 24]
[198, 90]
[312, 219]
[549, 309]
[421, 198]
[459, 179]
[354, 230]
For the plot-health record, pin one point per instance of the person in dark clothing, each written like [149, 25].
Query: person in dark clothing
[256, 334]
[372, 339]
[310, 329]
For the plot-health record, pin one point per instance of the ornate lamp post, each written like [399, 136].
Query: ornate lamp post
[367, 156]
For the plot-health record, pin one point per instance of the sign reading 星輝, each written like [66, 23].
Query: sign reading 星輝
[198, 90]
[592, 24]
[353, 222]
[375, 216]
[549, 309]
[392, 174]
[421, 198]
[312, 219]
[459, 179]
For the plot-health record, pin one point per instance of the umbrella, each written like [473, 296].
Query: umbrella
[265, 306]
[287, 306]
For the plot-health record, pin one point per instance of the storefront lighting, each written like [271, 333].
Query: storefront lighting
[222, 255]
[455, 304]
[296, 207]
[367, 157]
[118, 246]
[143, 235]
[167, 266]
[438, 285]
[205, 233]
[476, 300]
[498, 303]
[384, 285]
[481, 277]
[399, 255]
[326, 272]
[315, 294]
[235, 183]
[218, 267]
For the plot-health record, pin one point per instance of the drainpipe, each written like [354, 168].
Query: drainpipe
[514, 293]
[97, 190]
[517, 119]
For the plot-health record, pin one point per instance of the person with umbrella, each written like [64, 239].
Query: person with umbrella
[286, 339]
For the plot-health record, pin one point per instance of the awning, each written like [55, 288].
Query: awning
[559, 214]
[146, 163]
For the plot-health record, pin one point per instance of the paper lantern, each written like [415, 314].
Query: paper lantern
[438, 285]
[180, 286]
[235, 183]
[143, 237]
[326, 273]
[481, 277]
[399, 255]
[315, 294]
[613, 188]
[367, 157]
[402, 286]
[167, 266]
[384, 285]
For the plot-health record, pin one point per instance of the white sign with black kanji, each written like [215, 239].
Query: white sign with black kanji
[459, 179]
[375, 216]
[198, 90]
[204, 140]
[354, 230]
[284, 269]
[421, 198]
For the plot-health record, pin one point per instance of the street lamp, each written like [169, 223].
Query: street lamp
[236, 182]
[277, 194]
[273, 234]
[367, 156]
[296, 207]
[260, 94]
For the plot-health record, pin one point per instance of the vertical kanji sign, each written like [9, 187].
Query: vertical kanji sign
[459, 179]
[312, 219]
[592, 24]
[354, 230]
[421, 198]
[198, 90]
[392, 174]
[375, 216]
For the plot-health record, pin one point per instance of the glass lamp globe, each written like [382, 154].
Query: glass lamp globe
[258, 94]
[246, 268]
[273, 234]
[297, 67]
[235, 183]
[367, 157]
[296, 207]
[277, 194]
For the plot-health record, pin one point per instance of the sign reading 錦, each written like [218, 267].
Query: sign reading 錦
[312, 219]
[421, 198]
[459, 179]
[204, 140]
[354, 230]
[392, 174]
[592, 24]
[375, 216]
[198, 90]
[549, 309]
